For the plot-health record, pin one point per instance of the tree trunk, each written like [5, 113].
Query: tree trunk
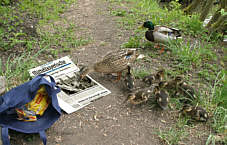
[185, 3]
[214, 18]
[218, 21]
[205, 9]
[192, 6]
[220, 25]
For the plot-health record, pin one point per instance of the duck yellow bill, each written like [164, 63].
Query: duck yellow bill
[141, 27]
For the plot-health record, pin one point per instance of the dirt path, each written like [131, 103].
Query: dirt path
[114, 123]
[107, 121]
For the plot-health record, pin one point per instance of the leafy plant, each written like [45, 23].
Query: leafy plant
[118, 12]
[220, 119]
[5, 2]
[192, 25]
[134, 42]
[175, 134]
[140, 73]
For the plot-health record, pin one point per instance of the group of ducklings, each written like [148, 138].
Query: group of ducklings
[120, 60]
[141, 95]
[159, 89]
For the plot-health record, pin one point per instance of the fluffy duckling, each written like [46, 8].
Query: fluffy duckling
[140, 95]
[129, 80]
[196, 112]
[153, 78]
[162, 97]
[173, 84]
[113, 62]
[187, 91]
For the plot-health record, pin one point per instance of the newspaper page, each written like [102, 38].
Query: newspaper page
[75, 93]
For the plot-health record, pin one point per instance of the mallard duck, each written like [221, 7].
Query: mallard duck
[139, 95]
[129, 80]
[160, 34]
[113, 62]
[196, 112]
[154, 78]
[162, 97]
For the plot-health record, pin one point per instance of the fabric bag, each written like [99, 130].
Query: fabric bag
[22, 95]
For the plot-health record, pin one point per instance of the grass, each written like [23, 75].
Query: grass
[174, 134]
[140, 73]
[16, 67]
[195, 58]
[23, 31]
[64, 39]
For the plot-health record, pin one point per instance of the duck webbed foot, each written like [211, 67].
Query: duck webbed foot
[118, 77]
[157, 46]
[162, 50]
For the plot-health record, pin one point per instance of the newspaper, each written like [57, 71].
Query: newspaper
[65, 73]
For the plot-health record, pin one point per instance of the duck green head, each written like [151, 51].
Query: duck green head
[149, 25]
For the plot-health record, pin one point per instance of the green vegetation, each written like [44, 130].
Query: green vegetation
[29, 28]
[140, 74]
[174, 134]
[195, 57]
[17, 68]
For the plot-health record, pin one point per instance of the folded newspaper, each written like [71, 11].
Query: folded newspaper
[75, 93]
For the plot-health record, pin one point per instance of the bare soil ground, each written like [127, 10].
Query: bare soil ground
[107, 121]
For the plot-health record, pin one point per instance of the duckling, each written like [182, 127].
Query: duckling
[160, 34]
[163, 84]
[187, 91]
[162, 97]
[197, 113]
[150, 79]
[129, 80]
[113, 62]
[171, 84]
[140, 95]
